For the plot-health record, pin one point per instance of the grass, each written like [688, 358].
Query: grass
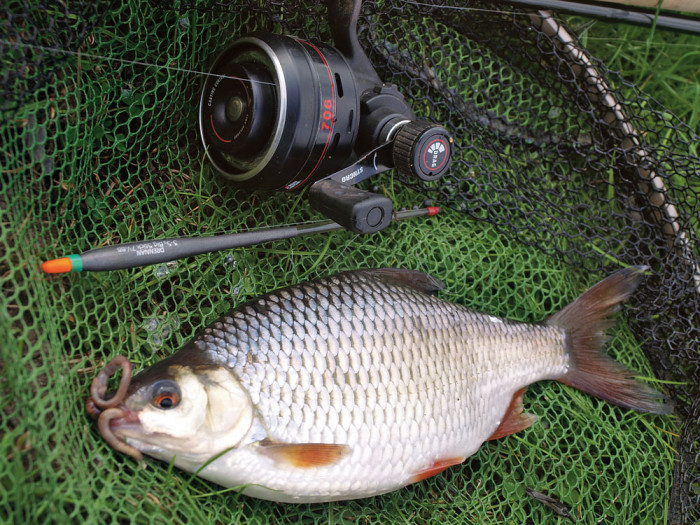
[606, 463]
[662, 63]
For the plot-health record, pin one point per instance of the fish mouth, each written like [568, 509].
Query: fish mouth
[110, 412]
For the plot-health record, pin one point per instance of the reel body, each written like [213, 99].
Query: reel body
[278, 112]
[287, 111]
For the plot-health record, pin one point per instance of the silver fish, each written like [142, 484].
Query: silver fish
[357, 385]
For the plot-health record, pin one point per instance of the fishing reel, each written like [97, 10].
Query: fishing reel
[278, 112]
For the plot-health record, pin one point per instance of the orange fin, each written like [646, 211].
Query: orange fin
[514, 419]
[435, 468]
[304, 455]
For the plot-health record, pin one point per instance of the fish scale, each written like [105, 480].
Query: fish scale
[358, 384]
[400, 376]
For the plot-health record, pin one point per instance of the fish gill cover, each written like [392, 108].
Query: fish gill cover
[565, 170]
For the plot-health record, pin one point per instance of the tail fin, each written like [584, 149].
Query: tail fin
[592, 371]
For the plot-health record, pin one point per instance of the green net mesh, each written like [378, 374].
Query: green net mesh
[99, 145]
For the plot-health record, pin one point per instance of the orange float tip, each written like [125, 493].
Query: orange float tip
[433, 210]
[72, 263]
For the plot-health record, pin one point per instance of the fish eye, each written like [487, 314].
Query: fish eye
[165, 394]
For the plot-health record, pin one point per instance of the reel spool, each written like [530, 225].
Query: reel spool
[286, 110]
[281, 113]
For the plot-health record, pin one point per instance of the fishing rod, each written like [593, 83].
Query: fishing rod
[143, 253]
[629, 13]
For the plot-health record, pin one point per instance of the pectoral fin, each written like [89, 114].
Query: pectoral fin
[304, 455]
[514, 419]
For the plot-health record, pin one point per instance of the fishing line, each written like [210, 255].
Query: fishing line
[463, 8]
[94, 56]
[81, 55]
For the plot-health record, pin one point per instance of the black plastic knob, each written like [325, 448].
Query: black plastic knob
[423, 149]
[354, 209]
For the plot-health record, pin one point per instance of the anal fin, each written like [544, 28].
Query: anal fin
[435, 468]
[514, 419]
[304, 455]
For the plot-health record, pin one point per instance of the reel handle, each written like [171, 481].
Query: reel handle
[354, 209]
[419, 148]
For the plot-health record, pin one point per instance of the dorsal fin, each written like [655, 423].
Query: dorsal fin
[419, 281]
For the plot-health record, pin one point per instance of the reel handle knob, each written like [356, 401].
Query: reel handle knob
[356, 210]
[423, 149]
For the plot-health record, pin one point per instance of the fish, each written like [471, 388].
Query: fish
[357, 384]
